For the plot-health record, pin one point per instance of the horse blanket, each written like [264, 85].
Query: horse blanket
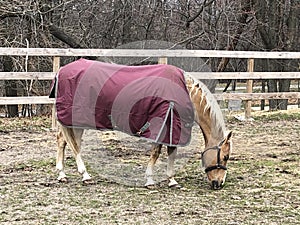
[148, 101]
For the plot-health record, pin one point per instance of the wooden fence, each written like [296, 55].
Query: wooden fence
[250, 75]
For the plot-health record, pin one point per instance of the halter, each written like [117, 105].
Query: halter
[218, 165]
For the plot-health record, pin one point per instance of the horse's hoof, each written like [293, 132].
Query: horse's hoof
[88, 182]
[63, 180]
[175, 186]
[151, 186]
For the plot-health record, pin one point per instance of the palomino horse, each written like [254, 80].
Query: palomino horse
[203, 108]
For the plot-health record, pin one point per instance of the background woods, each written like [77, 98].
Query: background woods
[269, 25]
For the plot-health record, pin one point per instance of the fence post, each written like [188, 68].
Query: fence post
[249, 88]
[163, 60]
[56, 65]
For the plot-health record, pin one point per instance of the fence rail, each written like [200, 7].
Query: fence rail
[198, 75]
[26, 100]
[56, 53]
[27, 75]
[147, 53]
[224, 96]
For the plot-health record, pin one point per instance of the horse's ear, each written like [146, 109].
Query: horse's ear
[228, 138]
[226, 146]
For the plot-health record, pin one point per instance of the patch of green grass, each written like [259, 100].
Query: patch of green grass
[277, 116]
[40, 164]
[25, 124]
[263, 116]
[45, 164]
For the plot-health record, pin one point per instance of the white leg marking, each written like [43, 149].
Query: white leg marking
[149, 175]
[155, 152]
[62, 176]
[172, 182]
[171, 160]
[172, 152]
[81, 168]
[80, 164]
[60, 157]
[86, 176]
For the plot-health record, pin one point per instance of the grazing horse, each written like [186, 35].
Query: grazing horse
[169, 114]
[218, 141]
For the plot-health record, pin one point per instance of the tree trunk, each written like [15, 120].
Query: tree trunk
[272, 87]
[10, 87]
[284, 86]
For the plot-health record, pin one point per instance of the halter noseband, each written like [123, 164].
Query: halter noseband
[218, 165]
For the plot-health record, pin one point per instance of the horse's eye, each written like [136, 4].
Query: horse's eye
[226, 157]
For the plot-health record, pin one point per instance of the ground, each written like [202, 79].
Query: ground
[262, 187]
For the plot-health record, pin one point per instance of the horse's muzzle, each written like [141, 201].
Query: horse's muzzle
[216, 185]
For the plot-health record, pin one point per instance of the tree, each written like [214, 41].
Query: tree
[271, 25]
[278, 26]
[22, 25]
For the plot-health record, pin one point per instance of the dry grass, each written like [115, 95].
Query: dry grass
[263, 185]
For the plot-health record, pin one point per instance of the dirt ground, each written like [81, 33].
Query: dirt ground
[262, 187]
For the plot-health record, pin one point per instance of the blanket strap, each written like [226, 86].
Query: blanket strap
[171, 123]
[143, 129]
[170, 109]
[113, 123]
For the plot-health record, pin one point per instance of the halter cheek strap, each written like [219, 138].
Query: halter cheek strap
[218, 165]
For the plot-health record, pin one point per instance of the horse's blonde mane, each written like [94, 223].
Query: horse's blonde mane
[218, 124]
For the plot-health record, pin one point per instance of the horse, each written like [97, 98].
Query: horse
[206, 113]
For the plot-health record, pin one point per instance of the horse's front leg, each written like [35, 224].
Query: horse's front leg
[172, 152]
[155, 152]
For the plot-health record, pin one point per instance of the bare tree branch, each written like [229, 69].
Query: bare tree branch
[191, 19]
[189, 39]
[242, 22]
[62, 36]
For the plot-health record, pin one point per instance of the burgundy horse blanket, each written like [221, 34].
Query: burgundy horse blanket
[147, 101]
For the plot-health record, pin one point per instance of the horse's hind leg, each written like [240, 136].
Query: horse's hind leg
[172, 152]
[155, 152]
[73, 139]
[60, 158]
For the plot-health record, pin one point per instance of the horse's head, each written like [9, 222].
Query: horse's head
[214, 160]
